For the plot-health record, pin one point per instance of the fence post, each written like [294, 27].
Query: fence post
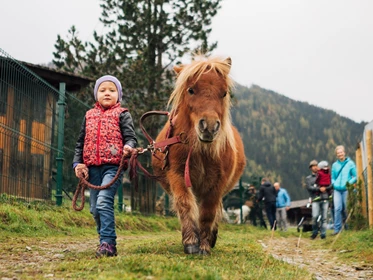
[369, 177]
[166, 205]
[60, 132]
[360, 177]
[242, 200]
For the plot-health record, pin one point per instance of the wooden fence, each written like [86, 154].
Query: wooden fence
[364, 171]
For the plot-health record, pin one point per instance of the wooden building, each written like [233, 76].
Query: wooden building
[28, 125]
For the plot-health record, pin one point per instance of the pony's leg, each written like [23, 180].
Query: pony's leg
[214, 235]
[184, 203]
[214, 231]
[208, 224]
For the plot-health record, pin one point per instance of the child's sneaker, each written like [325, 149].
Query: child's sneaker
[106, 249]
[316, 199]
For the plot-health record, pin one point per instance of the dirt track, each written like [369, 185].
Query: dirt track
[321, 262]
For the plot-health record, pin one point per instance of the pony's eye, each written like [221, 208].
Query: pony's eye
[190, 90]
[225, 93]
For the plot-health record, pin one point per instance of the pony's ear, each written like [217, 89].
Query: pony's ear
[178, 68]
[228, 61]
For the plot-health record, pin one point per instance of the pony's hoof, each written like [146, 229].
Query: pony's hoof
[204, 252]
[191, 249]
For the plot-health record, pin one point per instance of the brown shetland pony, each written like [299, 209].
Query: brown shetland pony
[200, 104]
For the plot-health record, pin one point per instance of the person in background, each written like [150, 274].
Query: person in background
[323, 179]
[321, 205]
[256, 208]
[268, 193]
[282, 206]
[343, 172]
[107, 134]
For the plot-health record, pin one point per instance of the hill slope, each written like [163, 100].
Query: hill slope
[281, 136]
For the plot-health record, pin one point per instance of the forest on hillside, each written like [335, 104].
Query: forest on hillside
[281, 136]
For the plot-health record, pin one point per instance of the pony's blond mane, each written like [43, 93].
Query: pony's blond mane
[199, 66]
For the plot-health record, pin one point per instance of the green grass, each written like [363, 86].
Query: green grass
[351, 246]
[45, 241]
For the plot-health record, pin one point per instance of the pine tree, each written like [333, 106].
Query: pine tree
[143, 40]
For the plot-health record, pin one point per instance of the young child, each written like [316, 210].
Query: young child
[323, 179]
[106, 135]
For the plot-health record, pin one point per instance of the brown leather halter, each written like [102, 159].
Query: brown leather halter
[163, 146]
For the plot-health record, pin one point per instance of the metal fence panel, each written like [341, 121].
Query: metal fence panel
[27, 131]
[29, 118]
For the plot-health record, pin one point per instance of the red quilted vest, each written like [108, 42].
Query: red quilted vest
[103, 142]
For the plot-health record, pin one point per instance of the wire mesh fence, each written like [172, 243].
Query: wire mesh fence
[29, 120]
[29, 133]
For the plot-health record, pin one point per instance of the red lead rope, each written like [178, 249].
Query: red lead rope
[161, 146]
[83, 184]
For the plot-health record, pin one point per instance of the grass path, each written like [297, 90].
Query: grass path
[141, 256]
[159, 255]
[42, 241]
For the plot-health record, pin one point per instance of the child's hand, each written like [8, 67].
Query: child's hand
[127, 150]
[81, 170]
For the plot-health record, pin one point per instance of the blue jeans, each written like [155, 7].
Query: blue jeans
[340, 206]
[102, 201]
[319, 208]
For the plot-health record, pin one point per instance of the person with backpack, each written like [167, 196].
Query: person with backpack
[323, 179]
[319, 206]
[343, 172]
[256, 208]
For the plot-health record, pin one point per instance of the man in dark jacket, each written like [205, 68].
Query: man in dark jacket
[268, 192]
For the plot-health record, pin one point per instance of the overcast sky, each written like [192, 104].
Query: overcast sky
[319, 51]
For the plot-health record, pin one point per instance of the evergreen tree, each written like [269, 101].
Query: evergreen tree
[143, 40]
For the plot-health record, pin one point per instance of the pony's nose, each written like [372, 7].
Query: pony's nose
[208, 129]
[212, 127]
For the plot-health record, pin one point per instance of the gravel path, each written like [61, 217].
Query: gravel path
[321, 262]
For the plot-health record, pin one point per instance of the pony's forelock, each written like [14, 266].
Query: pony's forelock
[194, 70]
[199, 66]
